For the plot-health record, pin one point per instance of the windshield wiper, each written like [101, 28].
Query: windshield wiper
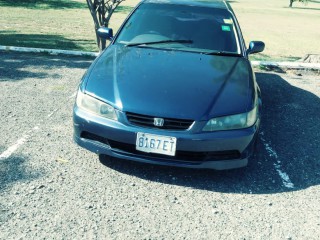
[222, 53]
[158, 42]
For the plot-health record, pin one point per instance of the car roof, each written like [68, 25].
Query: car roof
[204, 3]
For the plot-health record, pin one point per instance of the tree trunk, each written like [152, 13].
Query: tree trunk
[98, 10]
[98, 39]
[96, 22]
[291, 2]
[103, 44]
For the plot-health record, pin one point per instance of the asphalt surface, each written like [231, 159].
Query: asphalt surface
[52, 189]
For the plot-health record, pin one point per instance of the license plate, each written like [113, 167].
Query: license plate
[156, 144]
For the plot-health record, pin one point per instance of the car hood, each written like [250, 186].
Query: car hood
[172, 84]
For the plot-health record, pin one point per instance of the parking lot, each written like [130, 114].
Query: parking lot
[52, 189]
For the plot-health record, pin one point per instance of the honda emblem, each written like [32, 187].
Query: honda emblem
[158, 122]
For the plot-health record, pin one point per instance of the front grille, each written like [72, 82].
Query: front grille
[180, 155]
[148, 121]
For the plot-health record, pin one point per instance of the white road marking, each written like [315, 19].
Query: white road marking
[272, 153]
[7, 153]
[53, 112]
[73, 95]
[284, 176]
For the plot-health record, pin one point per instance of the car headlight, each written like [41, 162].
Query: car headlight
[95, 106]
[238, 121]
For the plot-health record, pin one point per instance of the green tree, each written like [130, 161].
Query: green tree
[101, 12]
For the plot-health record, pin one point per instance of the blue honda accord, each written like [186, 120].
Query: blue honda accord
[174, 87]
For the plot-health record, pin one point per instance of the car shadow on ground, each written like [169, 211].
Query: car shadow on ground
[288, 145]
[13, 169]
[21, 66]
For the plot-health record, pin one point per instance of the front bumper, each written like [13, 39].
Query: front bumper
[195, 149]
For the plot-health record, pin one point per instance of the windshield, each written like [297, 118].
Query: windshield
[181, 27]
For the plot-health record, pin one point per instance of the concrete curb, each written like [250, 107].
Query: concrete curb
[291, 65]
[48, 51]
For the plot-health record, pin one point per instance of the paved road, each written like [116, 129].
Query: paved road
[52, 189]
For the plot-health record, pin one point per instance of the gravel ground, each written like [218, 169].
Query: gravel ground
[52, 189]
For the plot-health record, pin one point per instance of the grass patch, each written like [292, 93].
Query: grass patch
[43, 4]
[289, 33]
[124, 9]
[54, 24]
[44, 41]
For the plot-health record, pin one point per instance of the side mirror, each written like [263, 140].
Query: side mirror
[255, 47]
[105, 33]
